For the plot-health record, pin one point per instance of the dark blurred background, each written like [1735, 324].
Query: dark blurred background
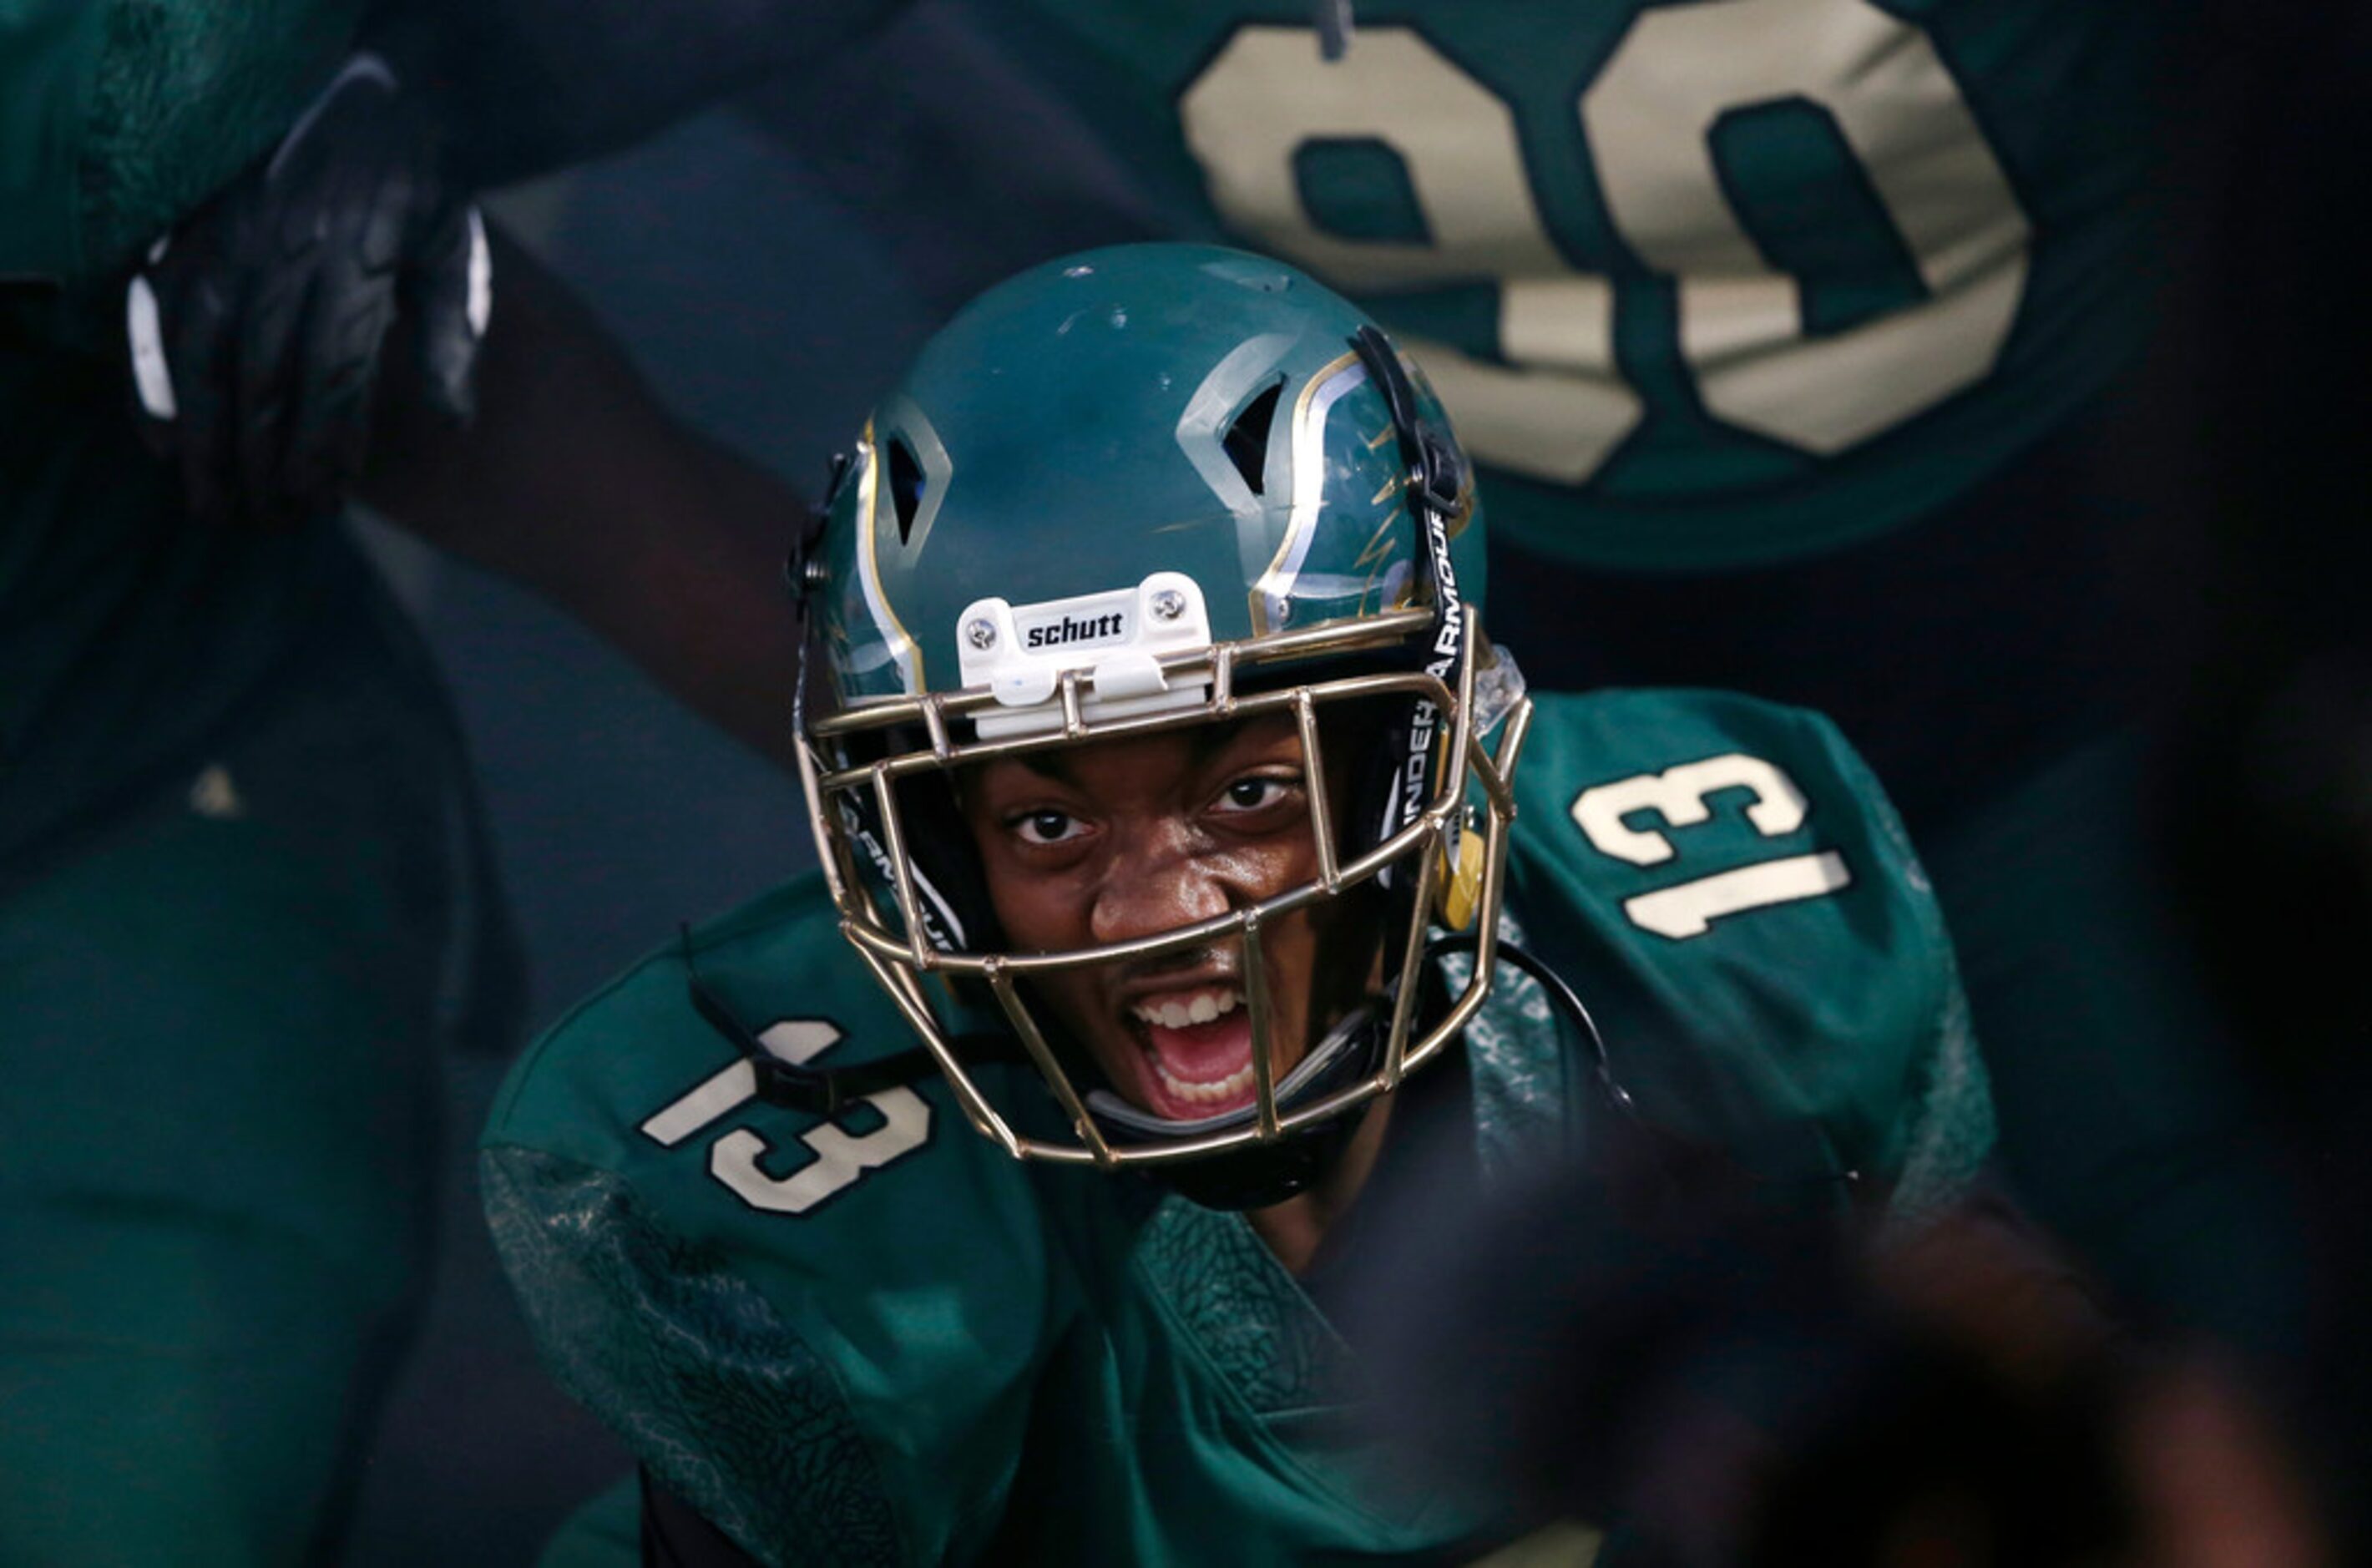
[768, 314]
[616, 812]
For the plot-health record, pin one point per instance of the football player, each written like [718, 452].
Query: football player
[1173, 794]
[1795, 336]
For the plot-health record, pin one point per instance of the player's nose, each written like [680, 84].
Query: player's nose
[1154, 881]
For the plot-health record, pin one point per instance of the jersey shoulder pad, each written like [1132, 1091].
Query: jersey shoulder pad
[810, 1325]
[635, 1080]
[1728, 885]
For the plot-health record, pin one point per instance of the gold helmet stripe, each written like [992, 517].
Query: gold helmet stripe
[1317, 395]
[902, 649]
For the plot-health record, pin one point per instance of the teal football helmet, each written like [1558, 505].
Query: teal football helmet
[1136, 490]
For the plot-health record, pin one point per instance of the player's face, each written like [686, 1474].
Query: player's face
[1131, 838]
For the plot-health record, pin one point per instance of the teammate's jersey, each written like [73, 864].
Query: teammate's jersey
[1706, 283]
[116, 120]
[879, 1340]
[128, 632]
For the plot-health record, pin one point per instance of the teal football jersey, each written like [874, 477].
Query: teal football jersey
[116, 120]
[877, 1338]
[130, 633]
[1705, 284]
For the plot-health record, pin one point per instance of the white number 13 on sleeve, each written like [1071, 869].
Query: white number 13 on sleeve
[1678, 796]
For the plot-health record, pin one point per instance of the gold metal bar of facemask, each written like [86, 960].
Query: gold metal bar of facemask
[907, 993]
[1016, 1012]
[1494, 871]
[1402, 844]
[1428, 856]
[1388, 630]
[1263, 1037]
[1313, 779]
[1486, 945]
[830, 852]
[1497, 768]
[962, 753]
[820, 820]
[1497, 771]
[935, 725]
[893, 845]
[861, 918]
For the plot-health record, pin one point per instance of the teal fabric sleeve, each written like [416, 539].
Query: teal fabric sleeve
[116, 119]
[725, 1403]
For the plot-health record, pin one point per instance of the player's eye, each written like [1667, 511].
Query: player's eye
[1046, 827]
[1254, 792]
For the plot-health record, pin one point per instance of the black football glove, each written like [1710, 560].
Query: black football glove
[259, 327]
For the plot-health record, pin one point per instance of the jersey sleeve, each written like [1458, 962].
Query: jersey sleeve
[690, 1366]
[819, 1333]
[533, 85]
[1739, 905]
[117, 117]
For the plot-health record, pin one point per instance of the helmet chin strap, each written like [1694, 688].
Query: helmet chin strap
[802, 573]
[1438, 479]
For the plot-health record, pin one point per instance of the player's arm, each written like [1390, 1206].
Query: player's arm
[529, 86]
[121, 117]
[575, 482]
[742, 1423]
[261, 336]
[259, 329]
[1766, 961]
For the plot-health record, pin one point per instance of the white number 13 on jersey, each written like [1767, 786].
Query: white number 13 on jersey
[837, 1158]
[1678, 796]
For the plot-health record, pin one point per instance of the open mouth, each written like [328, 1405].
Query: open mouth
[1197, 1051]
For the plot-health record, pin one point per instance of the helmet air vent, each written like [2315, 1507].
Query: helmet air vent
[1247, 436]
[905, 486]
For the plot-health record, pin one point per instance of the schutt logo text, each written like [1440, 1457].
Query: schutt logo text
[1056, 633]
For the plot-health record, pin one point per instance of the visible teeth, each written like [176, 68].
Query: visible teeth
[1204, 1007]
[1228, 1087]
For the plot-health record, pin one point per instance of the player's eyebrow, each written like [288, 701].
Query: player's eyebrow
[1055, 765]
[1204, 743]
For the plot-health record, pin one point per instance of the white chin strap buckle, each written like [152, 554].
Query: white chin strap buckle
[1116, 639]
